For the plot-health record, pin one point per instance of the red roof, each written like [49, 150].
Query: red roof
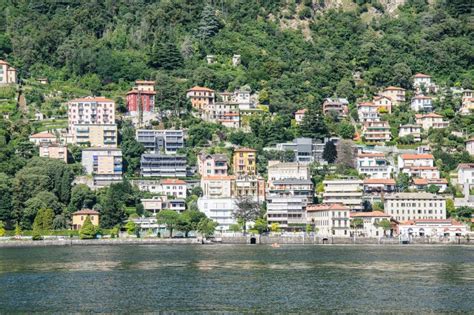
[372, 214]
[367, 104]
[326, 207]
[420, 181]
[421, 75]
[413, 222]
[383, 181]
[430, 115]
[173, 181]
[417, 156]
[141, 92]
[394, 88]
[86, 212]
[3, 62]
[43, 134]
[98, 99]
[300, 111]
[422, 97]
[199, 88]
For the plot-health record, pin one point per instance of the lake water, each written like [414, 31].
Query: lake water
[236, 279]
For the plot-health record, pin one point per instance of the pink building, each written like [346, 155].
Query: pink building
[91, 110]
[212, 164]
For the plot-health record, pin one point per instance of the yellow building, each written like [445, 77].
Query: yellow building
[79, 217]
[103, 135]
[244, 161]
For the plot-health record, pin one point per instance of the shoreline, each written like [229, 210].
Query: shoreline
[236, 240]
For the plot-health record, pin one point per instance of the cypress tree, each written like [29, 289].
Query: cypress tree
[330, 152]
[88, 230]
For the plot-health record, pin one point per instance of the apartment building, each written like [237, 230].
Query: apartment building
[396, 94]
[287, 210]
[218, 186]
[304, 149]
[285, 170]
[368, 112]
[160, 165]
[7, 73]
[413, 130]
[249, 186]
[423, 82]
[410, 160]
[91, 110]
[212, 164]
[168, 187]
[421, 103]
[415, 206]
[375, 187]
[330, 220]
[103, 135]
[426, 172]
[166, 141]
[377, 131]
[158, 203]
[220, 210]
[383, 103]
[337, 105]
[421, 184]
[297, 187]
[431, 120]
[244, 161]
[373, 165]
[105, 164]
[344, 191]
[53, 151]
[200, 97]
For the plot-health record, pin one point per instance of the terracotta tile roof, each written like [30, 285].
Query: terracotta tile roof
[141, 92]
[326, 207]
[417, 156]
[414, 222]
[383, 181]
[430, 115]
[245, 150]
[43, 134]
[98, 99]
[465, 166]
[372, 214]
[421, 75]
[367, 104]
[301, 111]
[173, 181]
[86, 212]
[420, 181]
[199, 88]
[422, 97]
[3, 62]
[378, 97]
[394, 88]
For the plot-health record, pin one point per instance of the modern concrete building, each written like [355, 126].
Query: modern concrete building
[166, 141]
[160, 165]
[344, 191]
[415, 206]
[330, 220]
[212, 164]
[297, 187]
[285, 170]
[158, 203]
[245, 161]
[221, 210]
[103, 135]
[304, 149]
[105, 164]
[287, 210]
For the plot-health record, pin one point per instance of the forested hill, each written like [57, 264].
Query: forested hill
[295, 52]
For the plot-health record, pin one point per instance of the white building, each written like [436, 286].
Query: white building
[426, 172]
[217, 186]
[373, 165]
[466, 174]
[432, 228]
[368, 112]
[431, 120]
[288, 210]
[212, 164]
[158, 203]
[43, 137]
[421, 103]
[421, 184]
[383, 103]
[470, 146]
[423, 81]
[414, 206]
[299, 116]
[7, 73]
[344, 191]
[370, 226]
[329, 220]
[413, 130]
[220, 210]
[410, 160]
[284, 170]
[91, 110]
[167, 187]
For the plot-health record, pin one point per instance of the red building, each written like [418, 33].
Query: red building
[144, 91]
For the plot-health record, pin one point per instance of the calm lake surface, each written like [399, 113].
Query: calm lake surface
[236, 279]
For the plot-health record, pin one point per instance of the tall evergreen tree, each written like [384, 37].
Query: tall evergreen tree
[313, 125]
[330, 152]
[166, 55]
[209, 24]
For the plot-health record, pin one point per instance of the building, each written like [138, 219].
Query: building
[285, 170]
[396, 94]
[200, 97]
[431, 120]
[142, 97]
[376, 131]
[53, 151]
[251, 186]
[470, 146]
[286, 210]
[91, 110]
[370, 223]
[299, 115]
[410, 160]
[376, 187]
[373, 165]
[432, 228]
[158, 203]
[245, 161]
[422, 82]
[235, 60]
[410, 130]
[466, 177]
[103, 135]
[43, 137]
[297, 187]
[165, 141]
[368, 112]
[467, 102]
[218, 186]
[242, 97]
[421, 184]
[415, 206]
[383, 103]
[105, 164]
[426, 172]
[221, 210]
[421, 103]
[167, 187]
[336, 105]
[212, 164]
[304, 149]
[7, 73]
[80, 216]
[330, 220]
[224, 113]
[344, 191]
[160, 165]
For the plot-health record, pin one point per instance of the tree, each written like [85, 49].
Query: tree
[88, 230]
[2, 229]
[464, 212]
[275, 227]
[17, 229]
[131, 149]
[330, 152]
[346, 130]
[81, 197]
[261, 225]
[313, 124]
[357, 223]
[166, 55]
[246, 210]
[206, 227]
[403, 182]
[208, 25]
[131, 227]
[432, 189]
[38, 226]
[385, 225]
[345, 155]
[112, 210]
[169, 218]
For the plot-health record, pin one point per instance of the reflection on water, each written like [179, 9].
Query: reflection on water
[237, 279]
